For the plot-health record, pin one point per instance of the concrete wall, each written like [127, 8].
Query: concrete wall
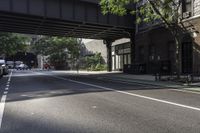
[41, 60]
[96, 46]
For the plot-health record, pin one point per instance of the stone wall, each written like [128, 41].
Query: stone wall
[196, 7]
[196, 46]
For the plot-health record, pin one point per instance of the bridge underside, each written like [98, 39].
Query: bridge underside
[72, 18]
[47, 26]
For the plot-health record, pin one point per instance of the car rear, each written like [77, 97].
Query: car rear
[1, 71]
[4, 67]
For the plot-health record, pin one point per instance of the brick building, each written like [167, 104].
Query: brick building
[155, 48]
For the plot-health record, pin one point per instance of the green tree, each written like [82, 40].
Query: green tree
[166, 11]
[56, 48]
[41, 46]
[94, 62]
[11, 43]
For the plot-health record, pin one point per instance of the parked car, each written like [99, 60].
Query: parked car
[10, 64]
[1, 71]
[17, 63]
[22, 67]
[4, 67]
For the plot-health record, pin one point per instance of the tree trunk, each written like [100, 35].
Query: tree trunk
[178, 59]
[174, 31]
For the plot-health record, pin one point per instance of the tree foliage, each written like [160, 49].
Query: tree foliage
[11, 43]
[94, 62]
[57, 48]
[145, 10]
[48, 45]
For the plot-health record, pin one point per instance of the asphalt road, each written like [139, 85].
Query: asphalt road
[45, 102]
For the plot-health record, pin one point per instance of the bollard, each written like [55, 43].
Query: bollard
[157, 77]
[189, 79]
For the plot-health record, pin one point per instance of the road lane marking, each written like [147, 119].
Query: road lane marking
[5, 92]
[134, 83]
[3, 100]
[131, 94]
[2, 106]
[185, 91]
[155, 86]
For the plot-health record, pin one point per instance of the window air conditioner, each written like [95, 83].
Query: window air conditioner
[186, 14]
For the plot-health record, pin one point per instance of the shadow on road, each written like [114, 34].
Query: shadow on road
[40, 86]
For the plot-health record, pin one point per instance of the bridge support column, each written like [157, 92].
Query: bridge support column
[109, 54]
[133, 47]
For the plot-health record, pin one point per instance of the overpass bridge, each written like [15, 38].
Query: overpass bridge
[72, 18]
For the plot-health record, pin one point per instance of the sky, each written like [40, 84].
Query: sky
[86, 40]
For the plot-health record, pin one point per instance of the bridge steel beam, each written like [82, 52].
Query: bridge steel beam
[108, 44]
[67, 17]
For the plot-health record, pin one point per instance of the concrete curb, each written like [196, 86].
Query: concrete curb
[196, 89]
[167, 84]
[144, 82]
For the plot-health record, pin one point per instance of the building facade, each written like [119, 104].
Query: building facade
[121, 54]
[155, 49]
[155, 46]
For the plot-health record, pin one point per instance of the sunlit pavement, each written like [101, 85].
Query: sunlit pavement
[45, 102]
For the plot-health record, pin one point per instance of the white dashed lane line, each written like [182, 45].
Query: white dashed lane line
[131, 94]
[3, 99]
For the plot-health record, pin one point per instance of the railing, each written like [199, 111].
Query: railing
[135, 69]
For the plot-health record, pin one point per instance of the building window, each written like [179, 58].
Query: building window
[141, 53]
[152, 52]
[187, 6]
[129, 58]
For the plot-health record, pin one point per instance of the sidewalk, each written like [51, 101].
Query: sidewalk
[130, 78]
[149, 80]
[119, 76]
[140, 79]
